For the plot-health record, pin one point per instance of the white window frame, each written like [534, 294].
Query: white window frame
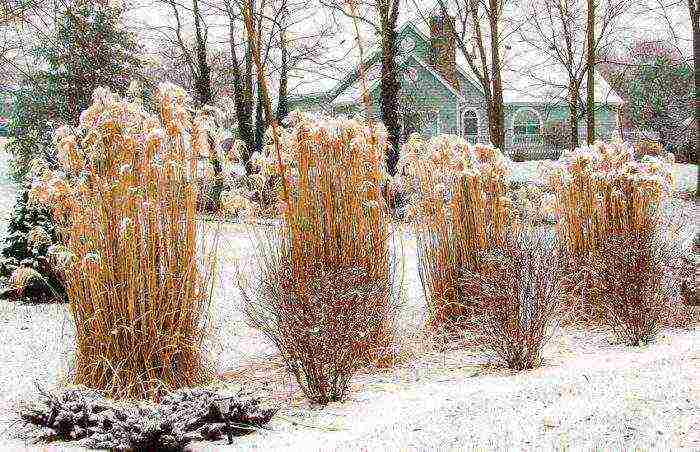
[515, 116]
[462, 117]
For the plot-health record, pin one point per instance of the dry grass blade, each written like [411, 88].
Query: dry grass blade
[460, 211]
[325, 293]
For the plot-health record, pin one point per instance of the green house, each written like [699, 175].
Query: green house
[439, 94]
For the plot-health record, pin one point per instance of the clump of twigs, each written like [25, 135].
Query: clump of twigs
[460, 211]
[125, 202]
[516, 297]
[636, 278]
[326, 291]
[182, 417]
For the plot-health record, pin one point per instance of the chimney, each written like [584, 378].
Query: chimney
[442, 47]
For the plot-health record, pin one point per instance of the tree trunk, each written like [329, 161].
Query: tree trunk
[496, 124]
[590, 82]
[260, 122]
[573, 114]
[203, 79]
[243, 116]
[282, 107]
[695, 18]
[389, 96]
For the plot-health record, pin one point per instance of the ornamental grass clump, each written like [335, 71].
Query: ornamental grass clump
[125, 202]
[460, 211]
[601, 192]
[325, 295]
[602, 196]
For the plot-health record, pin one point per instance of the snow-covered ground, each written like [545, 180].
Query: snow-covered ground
[589, 393]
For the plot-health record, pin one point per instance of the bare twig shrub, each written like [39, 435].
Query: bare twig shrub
[126, 202]
[459, 211]
[637, 278]
[325, 295]
[516, 297]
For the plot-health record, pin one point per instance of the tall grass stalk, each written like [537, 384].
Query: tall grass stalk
[461, 211]
[602, 196]
[325, 295]
[138, 292]
[602, 192]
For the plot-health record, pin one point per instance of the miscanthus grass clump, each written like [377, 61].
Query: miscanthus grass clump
[601, 191]
[325, 294]
[609, 210]
[460, 210]
[125, 201]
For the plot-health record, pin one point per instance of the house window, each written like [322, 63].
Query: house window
[470, 123]
[526, 121]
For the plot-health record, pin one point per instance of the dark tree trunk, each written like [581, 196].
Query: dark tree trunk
[573, 115]
[389, 96]
[242, 101]
[497, 124]
[282, 108]
[590, 57]
[694, 7]
[203, 78]
[260, 122]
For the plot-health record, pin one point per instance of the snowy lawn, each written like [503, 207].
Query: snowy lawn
[590, 391]
[686, 175]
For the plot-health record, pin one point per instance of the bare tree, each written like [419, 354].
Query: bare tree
[481, 32]
[557, 30]
[186, 18]
[694, 13]
[381, 17]
[590, 79]
[287, 46]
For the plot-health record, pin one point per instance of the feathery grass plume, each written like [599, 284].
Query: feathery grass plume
[325, 295]
[602, 192]
[125, 200]
[460, 210]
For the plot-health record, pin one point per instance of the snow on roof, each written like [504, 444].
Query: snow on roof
[528, 76]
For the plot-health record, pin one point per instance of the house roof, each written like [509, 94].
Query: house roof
[528, 78]
[353, 93]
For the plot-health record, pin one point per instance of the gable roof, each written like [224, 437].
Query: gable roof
[352, 94]
[524, 82]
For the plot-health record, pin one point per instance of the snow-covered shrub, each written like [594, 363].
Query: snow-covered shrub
[29, 247]
[179, 418]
